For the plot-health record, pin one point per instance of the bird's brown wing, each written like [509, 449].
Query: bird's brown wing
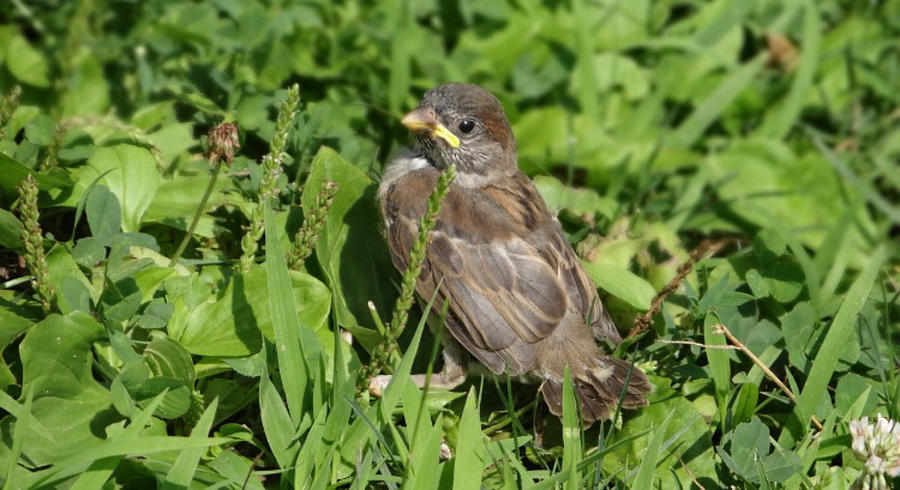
[508, 272]
[503, 293]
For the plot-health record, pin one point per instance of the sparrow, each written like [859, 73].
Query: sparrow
[520, 302]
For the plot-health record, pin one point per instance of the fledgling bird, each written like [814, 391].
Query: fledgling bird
[520, 301]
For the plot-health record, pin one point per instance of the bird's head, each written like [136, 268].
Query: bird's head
[464, 124]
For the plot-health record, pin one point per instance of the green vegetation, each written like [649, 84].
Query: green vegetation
[137, 353]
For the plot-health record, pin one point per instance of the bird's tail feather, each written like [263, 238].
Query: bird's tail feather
[600, 389]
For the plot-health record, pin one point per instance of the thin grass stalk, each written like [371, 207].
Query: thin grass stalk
[381, 355]
[308, 234]
[33, 239]
[223, 140]
[271, 170]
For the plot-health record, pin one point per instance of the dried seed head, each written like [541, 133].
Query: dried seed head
[223, 140]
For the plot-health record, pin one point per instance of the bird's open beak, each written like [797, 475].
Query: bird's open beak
[424, 120]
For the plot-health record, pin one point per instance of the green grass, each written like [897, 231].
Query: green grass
[198, 313]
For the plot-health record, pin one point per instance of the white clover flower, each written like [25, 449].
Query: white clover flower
[878, 447]
[858, 431]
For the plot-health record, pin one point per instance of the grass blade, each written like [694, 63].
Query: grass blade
[102, 468]
[23, 420]
[719, 363]
[182, 471]
[779, 121]
[572, 448]
[470, 463]
[140, 445]
[835, 341]
[588, 461]
[644, 477]
[713, 105]
[276, 422]
[296, 360]
[587, 78]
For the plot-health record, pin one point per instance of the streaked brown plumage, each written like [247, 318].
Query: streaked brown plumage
[520, 301]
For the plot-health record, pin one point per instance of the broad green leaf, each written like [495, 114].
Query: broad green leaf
[56, 362]
[165, 357]
[87, 88]
[850, 387]
[174, 139]
[585, 86]
[401, 54]
[15, 318]
[779, 466]
[104, 215]
[177, 200]
[175, 401]
[133, 179]
[582, 202]
[798, 326]
[765, 182]
[615, 72]
[26, 63]
[89, 251]
[13, 172]
[229, 323]
[719, 18]
[156, 315]
[750, 440]
[10, 230]
[757, 284]
[120, 300]
[350, 249]
[40, 130]
[621, 283]
[783, 277]
[74, 291]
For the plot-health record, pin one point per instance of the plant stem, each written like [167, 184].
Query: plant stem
[722, 329]
[198, 213]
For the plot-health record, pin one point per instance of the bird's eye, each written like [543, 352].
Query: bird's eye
[466, 125]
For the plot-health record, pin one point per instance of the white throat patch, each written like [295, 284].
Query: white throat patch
[404, 162]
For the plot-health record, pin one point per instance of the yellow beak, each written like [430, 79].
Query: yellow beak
[424, 120]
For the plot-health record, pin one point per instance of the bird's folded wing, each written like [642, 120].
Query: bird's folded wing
[501, 293]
